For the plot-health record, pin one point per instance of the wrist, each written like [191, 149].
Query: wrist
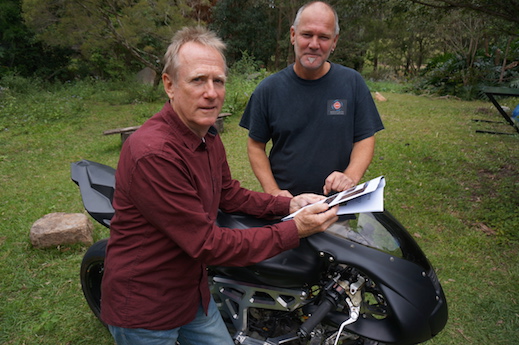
[355, 178]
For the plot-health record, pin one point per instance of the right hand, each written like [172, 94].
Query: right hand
[315, 218]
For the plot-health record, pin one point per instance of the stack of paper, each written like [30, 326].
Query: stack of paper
[365, 197]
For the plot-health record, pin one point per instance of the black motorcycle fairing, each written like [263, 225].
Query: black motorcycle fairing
[97, 184]
[417, 307]
[294, 268]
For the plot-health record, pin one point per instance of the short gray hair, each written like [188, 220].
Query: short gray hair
[185, 35]
[300, 11]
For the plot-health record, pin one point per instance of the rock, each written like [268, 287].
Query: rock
[61, 228]
[379, 97]
[146, 76]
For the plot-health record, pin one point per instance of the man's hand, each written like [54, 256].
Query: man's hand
[360, 158]
[315, 218]
[338, 181]
[303, 200]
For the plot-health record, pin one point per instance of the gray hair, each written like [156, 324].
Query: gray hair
[185, 35]
[300, 11]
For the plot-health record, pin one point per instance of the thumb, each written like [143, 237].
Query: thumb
[317, 208]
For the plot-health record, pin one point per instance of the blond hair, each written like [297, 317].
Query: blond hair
[185, 35]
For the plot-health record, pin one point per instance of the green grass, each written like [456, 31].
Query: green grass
[457, 192]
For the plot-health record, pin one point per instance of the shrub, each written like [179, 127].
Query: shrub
[450, 74]
[244, 76]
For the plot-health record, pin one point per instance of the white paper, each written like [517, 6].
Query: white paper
[365, 197]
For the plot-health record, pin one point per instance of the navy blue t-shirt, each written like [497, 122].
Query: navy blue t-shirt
[312, 124]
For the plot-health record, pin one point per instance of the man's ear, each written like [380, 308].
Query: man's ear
[335, 41]
[168, 85]
[292, 35]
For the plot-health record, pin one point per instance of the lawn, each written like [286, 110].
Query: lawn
[456, 191]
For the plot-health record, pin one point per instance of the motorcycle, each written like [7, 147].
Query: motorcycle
[364, 280]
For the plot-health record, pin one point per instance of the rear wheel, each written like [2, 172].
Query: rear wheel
[92, 268]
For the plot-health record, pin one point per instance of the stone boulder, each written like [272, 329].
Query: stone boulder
[146, 76]
[379, 97]
[61, 228]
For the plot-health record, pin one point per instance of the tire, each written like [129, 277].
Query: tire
[92, 268]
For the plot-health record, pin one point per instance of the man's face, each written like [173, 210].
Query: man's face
[198, 95]
[313, 39]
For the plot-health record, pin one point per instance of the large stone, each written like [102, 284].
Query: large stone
[61, 228]
[146, 76]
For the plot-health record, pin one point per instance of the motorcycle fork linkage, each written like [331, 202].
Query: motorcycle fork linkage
[335, 291]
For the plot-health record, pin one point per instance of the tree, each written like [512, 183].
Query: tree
[246, 26]
[260, 27]
[507, 10]
[20, 53]
[112, 34]
[411, 35]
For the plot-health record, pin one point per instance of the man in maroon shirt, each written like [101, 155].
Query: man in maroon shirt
[171, 179]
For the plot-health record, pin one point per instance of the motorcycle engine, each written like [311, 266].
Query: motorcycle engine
[266, 323]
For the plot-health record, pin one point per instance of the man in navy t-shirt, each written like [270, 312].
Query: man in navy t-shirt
[320, 116]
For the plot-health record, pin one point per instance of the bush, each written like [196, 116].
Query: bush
[449, 74]
[244, 76]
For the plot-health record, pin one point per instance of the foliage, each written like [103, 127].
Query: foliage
[449, 74]
[113, 36]
[504, 9]
[243, 78]
[238, 23]
[393, 39]
[477, 55]
[20, 53]
[455, 191]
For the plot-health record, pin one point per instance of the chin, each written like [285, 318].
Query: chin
[209, 120]
[313, 66]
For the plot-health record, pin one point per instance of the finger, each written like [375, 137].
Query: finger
[312, 198]
[317, 208]
[332, 214]
[329, 186]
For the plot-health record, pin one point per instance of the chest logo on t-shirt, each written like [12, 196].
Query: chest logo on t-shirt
[336, 107]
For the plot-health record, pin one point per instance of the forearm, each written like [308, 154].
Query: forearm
[260, 165]
[360, 159]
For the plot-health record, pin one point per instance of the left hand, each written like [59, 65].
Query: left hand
[303, 200]
[338, 181]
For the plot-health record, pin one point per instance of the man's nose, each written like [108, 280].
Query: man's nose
[314, 42]
[210, 90]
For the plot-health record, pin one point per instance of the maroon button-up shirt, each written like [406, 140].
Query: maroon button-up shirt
[169, 186]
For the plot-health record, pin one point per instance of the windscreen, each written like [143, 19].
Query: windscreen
[365, 229]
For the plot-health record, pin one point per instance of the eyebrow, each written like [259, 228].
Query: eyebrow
[204, 75]
[222, 76]
[316, 32]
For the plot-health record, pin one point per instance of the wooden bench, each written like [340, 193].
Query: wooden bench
[127, 131]
[219, 122]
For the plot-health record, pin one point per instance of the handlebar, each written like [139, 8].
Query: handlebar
[317, 316]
